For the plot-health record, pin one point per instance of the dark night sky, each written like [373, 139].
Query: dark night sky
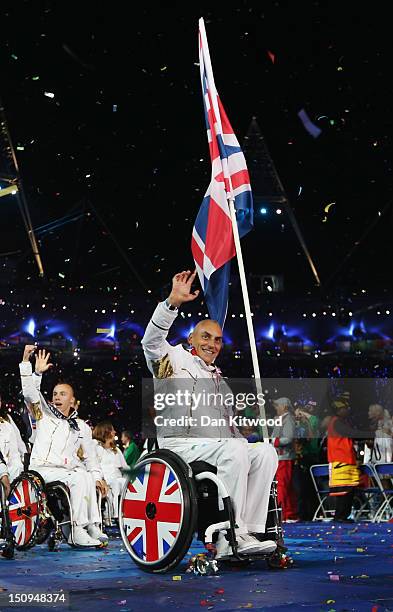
[127, 110]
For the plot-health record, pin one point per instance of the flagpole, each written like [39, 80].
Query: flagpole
[250, 327]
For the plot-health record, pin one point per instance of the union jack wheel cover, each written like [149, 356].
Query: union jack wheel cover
[24, 511]
[151, 512]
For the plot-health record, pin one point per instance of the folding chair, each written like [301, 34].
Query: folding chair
[368, 498]
[384, 471]
[319, 475]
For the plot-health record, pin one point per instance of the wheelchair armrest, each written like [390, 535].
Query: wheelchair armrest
[202, 466]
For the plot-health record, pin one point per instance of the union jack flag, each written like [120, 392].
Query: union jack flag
[23, 511]
[152, 511]
[212, 241]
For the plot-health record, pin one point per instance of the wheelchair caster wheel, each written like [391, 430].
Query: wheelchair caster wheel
[53, 544]
[279, 560]
[8, 551]
[201, 565]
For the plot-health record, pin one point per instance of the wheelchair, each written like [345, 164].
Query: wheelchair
[165, 501]
[39, 512]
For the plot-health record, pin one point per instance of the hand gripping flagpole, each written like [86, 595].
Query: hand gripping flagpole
[205, 62]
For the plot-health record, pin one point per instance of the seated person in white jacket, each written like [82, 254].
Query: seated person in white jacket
[58, 438]
[9, 449]
[246, 470]
[111, 461]
[6, 416]
[4, 475]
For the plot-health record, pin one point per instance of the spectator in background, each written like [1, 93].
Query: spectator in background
[344, 474]
[111, 461]
[308, 454]
[283, 438]
[131, 451]
[381, 447]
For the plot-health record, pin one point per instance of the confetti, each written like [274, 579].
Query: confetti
[311, 128]
[271, 56]
[328, 207]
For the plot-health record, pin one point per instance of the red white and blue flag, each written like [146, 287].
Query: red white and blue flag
[23, 511]
[152, 511]
[212, 242]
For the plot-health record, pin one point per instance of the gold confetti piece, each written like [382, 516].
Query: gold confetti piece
[176, 577]
[103, 330]
[329, 601]
[360, 550]
[328, 206]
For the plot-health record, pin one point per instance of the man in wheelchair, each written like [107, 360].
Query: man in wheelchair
[57, 441]
[246, 470]
[9, 449]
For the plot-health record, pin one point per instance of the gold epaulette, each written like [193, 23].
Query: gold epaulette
[162, 368]
[80, 454]
[36, 411]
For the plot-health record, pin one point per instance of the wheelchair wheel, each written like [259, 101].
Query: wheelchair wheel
[59, 506]
[157, 511]
[25, 508]
[44, 529]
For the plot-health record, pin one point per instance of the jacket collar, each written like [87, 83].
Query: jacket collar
[209, 368]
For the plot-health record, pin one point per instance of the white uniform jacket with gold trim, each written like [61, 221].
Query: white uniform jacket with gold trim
[168, 363]
[56, 444]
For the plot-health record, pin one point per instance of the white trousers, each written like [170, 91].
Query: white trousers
[116, 487]
[247, 470]
[82, 492]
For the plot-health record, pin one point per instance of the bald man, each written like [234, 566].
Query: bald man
[59, 436]
[246, 470]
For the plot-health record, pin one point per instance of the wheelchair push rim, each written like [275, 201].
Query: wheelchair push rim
[25, 508]
[156, 512]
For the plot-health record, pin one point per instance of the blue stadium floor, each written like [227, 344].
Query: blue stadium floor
[337, 568]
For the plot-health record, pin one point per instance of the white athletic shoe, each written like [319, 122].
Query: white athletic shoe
[249, 545]
[82, 538]
[95, 532]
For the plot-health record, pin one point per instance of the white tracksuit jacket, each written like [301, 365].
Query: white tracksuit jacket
[56, 444]
[9, 450]
[167, 362]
